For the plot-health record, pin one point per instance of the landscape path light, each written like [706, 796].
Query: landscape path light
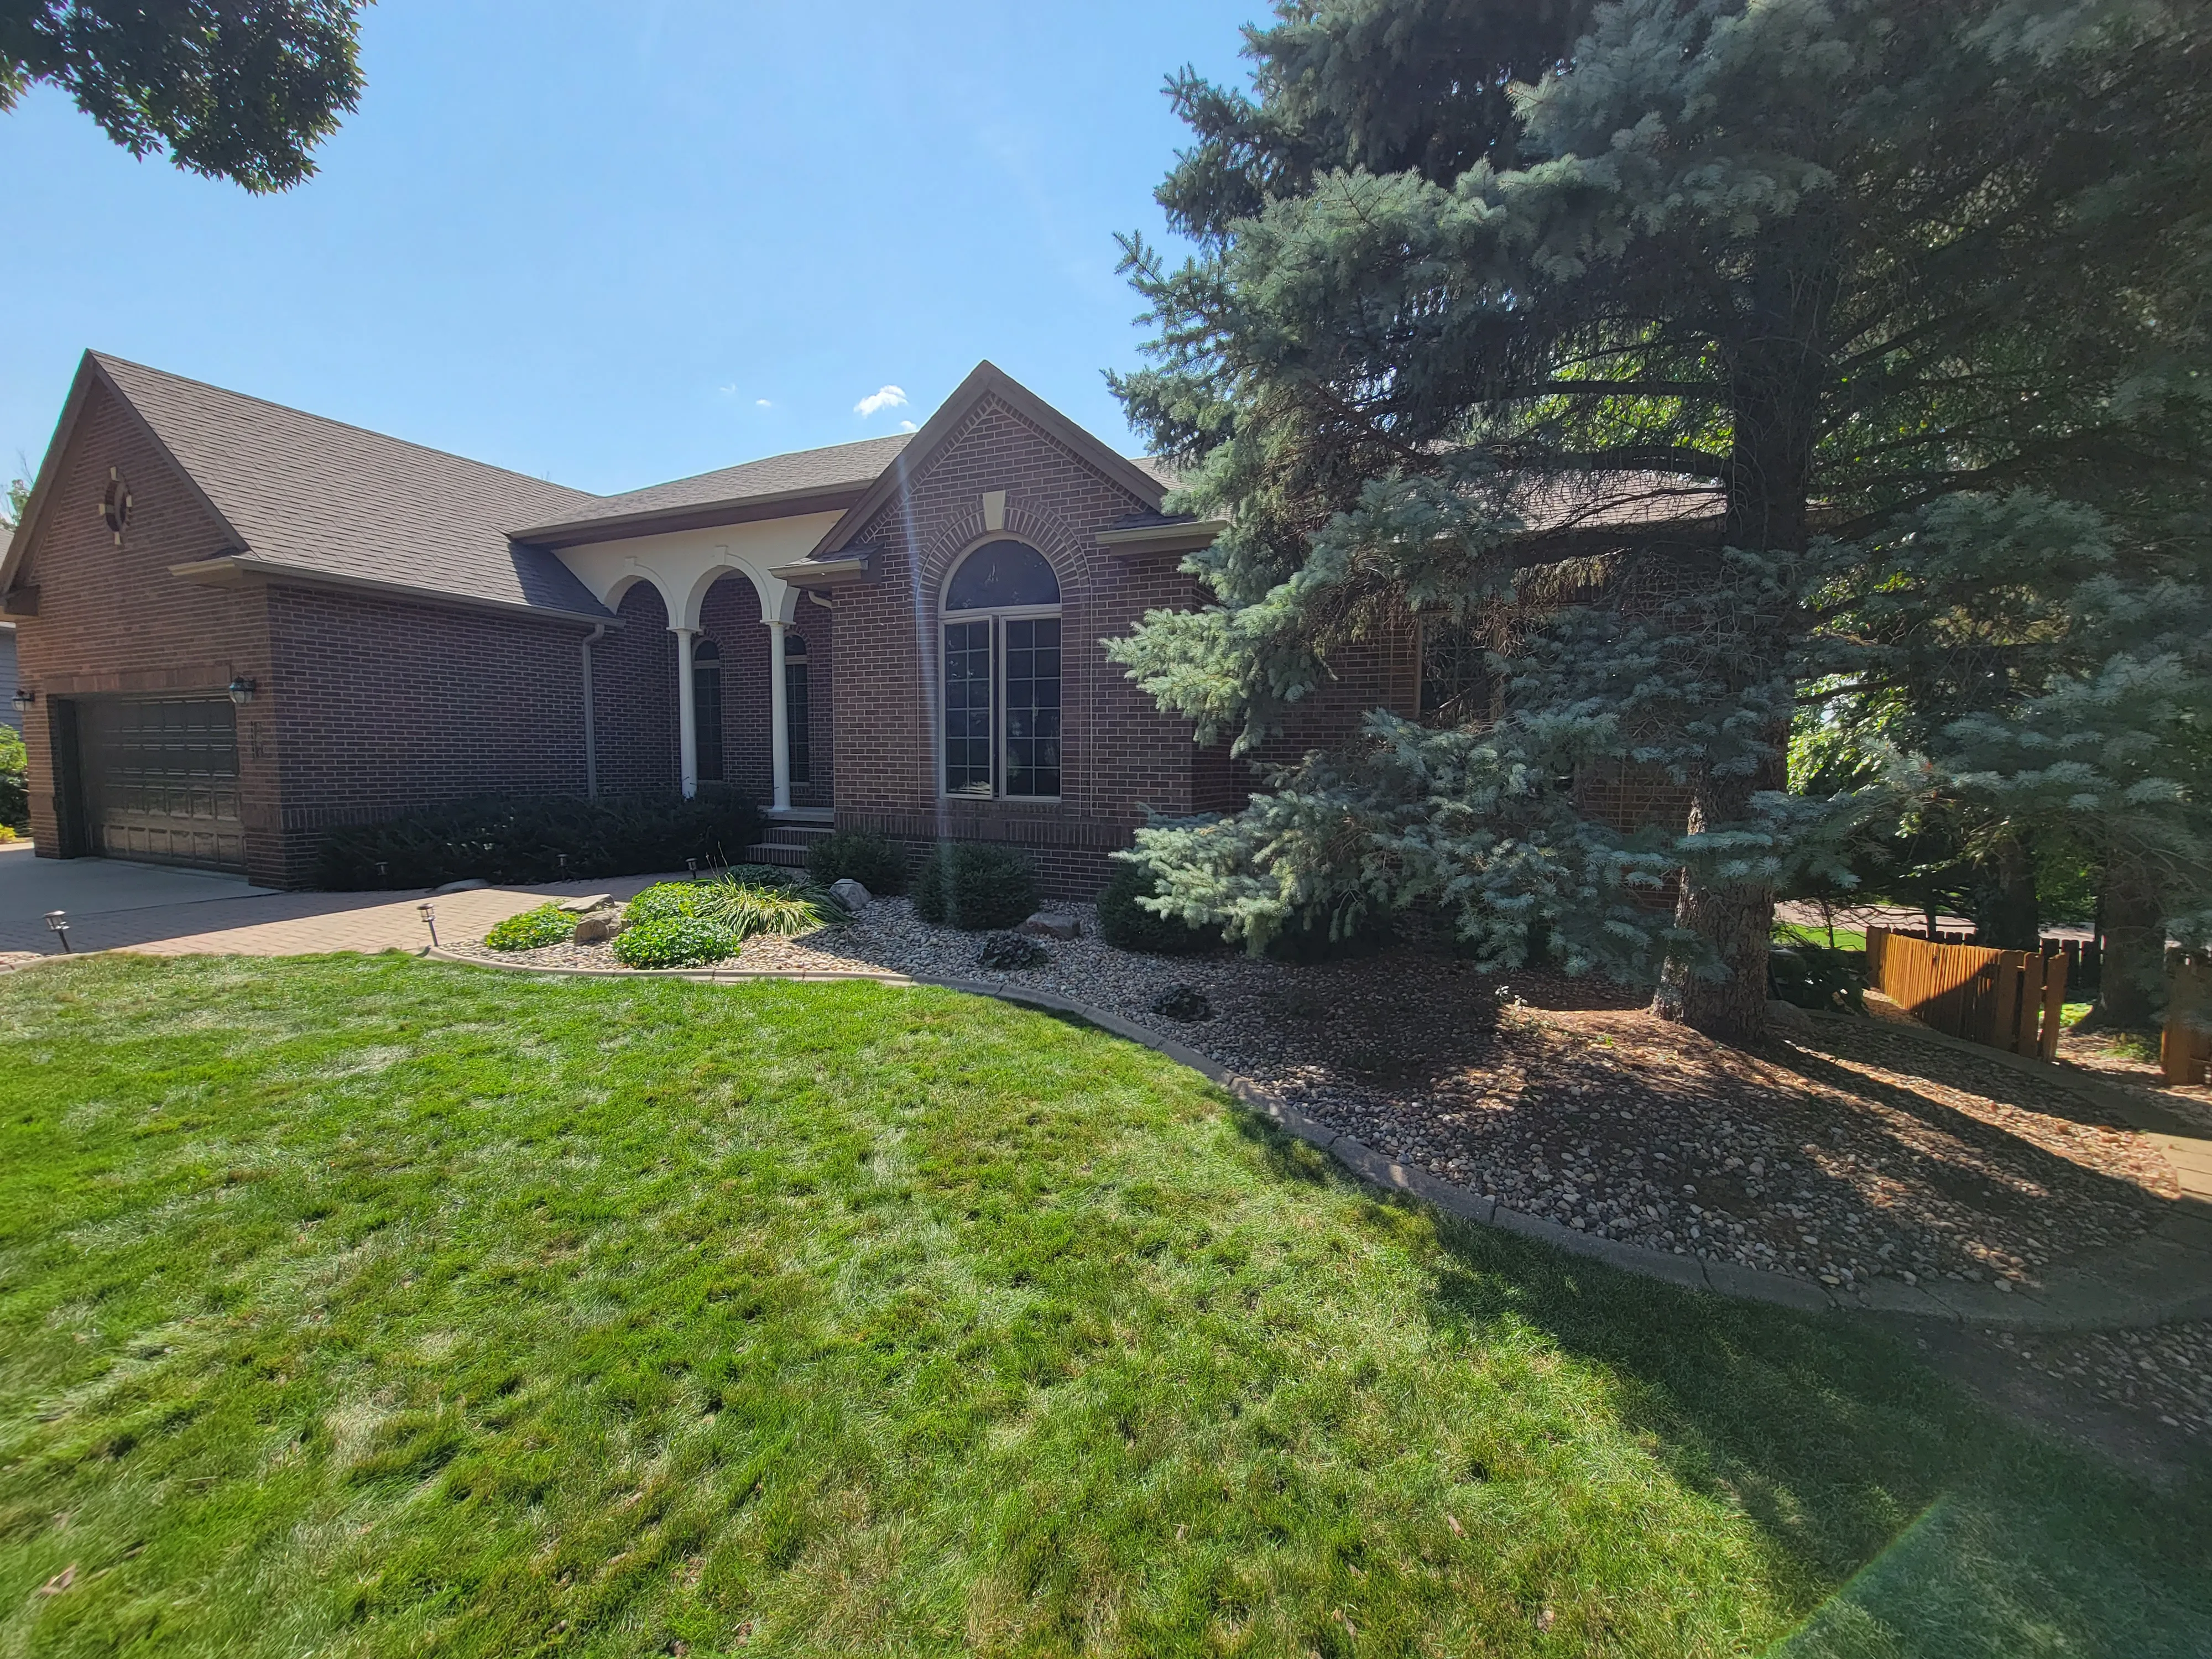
[57, 921]
[430, 921]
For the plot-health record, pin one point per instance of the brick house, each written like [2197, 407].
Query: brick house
[240, 625]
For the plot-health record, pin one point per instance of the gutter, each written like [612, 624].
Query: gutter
[241, 570]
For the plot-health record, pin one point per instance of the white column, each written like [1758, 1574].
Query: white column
[687, 712]
[779, 715]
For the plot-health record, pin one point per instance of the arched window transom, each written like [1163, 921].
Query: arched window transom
[1002, 727]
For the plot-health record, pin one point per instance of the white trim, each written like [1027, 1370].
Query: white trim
[687, 712]
[779, 716]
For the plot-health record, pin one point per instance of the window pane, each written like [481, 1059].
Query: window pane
[707, 710]
[794, 720]
[1033, 707]
[1000, 576]
[967, 746]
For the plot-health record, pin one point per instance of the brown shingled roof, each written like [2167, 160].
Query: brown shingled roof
[322, 498]
[836, 470]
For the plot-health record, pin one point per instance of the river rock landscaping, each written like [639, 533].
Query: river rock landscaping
[1841, 1151]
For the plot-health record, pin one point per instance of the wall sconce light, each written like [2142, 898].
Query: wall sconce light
[242, 690]
[430, 921]
[24, 699]
[58, 922]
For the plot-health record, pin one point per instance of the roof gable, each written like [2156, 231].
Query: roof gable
[316, 499]
[988, 380]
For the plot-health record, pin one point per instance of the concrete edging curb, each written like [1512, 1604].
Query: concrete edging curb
[2117, 1290]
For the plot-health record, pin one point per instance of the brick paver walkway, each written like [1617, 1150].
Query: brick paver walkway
[240, 920]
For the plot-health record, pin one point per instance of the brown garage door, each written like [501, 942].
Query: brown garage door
[160, 781]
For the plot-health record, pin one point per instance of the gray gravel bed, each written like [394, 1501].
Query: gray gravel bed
[1842, 1154]
[2164, 1371]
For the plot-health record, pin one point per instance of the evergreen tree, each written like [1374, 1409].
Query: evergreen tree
[1697, 314]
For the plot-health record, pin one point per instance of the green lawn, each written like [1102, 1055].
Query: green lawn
[366, 1306]
[1847, 938]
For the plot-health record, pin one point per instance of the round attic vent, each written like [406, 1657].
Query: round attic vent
[115, 504]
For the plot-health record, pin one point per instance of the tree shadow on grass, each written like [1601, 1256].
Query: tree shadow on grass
[1931, 1525]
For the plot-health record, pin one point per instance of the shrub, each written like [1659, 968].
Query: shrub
[549, 924]
[674, 942]
[873, 861]
[1124, 922]
[662, 901]
[15, 781]
[1813, 976]
[746, 907]
[973, 885]
[523, 840]
[7, 833]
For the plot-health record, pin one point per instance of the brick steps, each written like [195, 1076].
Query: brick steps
[786, 840]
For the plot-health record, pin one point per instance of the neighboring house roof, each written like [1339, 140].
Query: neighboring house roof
[318, 500]
[819, 480]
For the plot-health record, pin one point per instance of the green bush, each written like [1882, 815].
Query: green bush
[15, 781]
[549, 924]
[674, 942]
[1124, 922]
[875, 861]
[524, 840]
[663, 902]
[1813, 976]
[973, 885]
[746, 907]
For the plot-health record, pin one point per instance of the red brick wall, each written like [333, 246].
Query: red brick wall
[633, 699]
[383, 705]
[1119, 754]
[113, 621]
[731, 617]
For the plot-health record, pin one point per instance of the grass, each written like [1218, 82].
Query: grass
[1847, 938]
[368, 1306]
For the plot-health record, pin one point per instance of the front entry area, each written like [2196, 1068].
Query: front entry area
[158, 781]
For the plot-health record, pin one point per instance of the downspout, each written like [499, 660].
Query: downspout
[591, 741]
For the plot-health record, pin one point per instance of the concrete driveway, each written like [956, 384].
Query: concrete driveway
[115, 906]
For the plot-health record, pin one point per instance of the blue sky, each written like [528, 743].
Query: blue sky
[615, 243]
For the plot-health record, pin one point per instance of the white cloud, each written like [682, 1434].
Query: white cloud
[730, 391]
[762, 402]
[889, 397]
[908, 425]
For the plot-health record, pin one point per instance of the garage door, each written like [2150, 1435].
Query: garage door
[160, 781]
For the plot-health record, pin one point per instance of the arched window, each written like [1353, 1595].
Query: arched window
[1002, 674]
[707, 708]
[796, 749]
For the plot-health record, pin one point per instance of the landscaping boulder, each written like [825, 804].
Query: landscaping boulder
[850, 894]
[1052, 924]
[1004, 952]
[469, 886]
[1186, 1003]
[599, 927]
[584, 904]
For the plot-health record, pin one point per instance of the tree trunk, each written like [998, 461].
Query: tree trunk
[1777, 375]
[2008, 915]
[2133, 990]
[1737, 920]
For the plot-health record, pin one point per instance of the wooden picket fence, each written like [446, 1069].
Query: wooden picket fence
[2185, 1048]
[2008, 1000]
[2085, 964]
